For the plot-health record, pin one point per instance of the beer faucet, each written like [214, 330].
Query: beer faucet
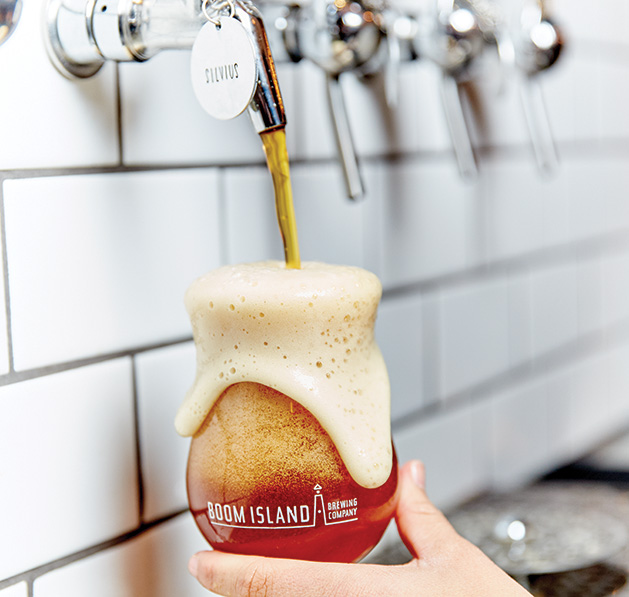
[10, 11]
[537, 47]
[454, 40]
[81, 35]
[338, 37]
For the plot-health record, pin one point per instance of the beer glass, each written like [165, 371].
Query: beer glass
[291, 453]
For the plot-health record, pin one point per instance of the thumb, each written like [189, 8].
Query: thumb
[421, 525]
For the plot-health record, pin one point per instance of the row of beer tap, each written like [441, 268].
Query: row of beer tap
[365, 37]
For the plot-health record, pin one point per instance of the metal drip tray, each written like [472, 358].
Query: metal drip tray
[559, 539]
[541, 530]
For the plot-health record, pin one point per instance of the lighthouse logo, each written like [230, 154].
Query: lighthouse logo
[319, 512]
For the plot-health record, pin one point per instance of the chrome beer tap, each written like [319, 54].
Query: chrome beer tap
[10, 11]
[338, 36]
[454, 39]
[537, 46]
[81, 35]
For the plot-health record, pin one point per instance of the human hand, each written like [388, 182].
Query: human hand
[443, 564]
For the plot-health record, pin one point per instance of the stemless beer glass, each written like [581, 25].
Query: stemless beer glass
[291, 453]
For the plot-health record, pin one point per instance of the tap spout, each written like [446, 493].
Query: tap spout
[81, 35]
[266, 108]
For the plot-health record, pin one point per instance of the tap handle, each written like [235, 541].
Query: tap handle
[538, 125]
[10, 11]
[338, 37]
[266, 108]
[345, 143]
[79, 40]
[457, 125]
[454, 43]
[400, 31]
[539, 45]
[393, 60]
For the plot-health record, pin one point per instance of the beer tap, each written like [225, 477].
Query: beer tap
[537, 46]
[338, 36]
[400, 31]
[10, 11]
[81, 35]
[454, 40]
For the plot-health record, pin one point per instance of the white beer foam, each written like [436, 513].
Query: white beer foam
[306, 332]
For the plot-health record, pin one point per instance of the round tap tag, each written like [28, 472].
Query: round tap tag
[223, 68]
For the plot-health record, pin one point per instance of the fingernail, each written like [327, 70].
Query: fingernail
[193, 566]
[417, 474]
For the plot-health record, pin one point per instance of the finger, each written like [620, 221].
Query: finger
[249, 576]
[421, 525]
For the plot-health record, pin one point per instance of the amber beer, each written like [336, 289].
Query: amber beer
[291, 453]
[264, 478]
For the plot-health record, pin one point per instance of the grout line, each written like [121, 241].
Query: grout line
[138, 447]
[19, 376]
[571, 252]
[31, 575]
[119, 114]
[593, 148]
[5, 269]
[106, 169]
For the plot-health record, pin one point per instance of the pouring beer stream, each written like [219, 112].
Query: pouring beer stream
[235, 34]
[277, 159]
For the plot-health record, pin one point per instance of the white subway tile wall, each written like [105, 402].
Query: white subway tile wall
[589, 412]
[618, 384]
[561, 445]
[427, 219]
[399, 333]
[553, 307]
[519, 313]
[474, 335]
[444, 443]
[335, 230]
[615, 288]
[590, 307]
[250, 220]
[516, 208]
[163, 376]
[19, 589]
[49, 121]
[519, 434]
[504, 319]
[68, 461]
[99, 262]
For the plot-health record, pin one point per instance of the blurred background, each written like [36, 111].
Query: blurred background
[505, 313]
